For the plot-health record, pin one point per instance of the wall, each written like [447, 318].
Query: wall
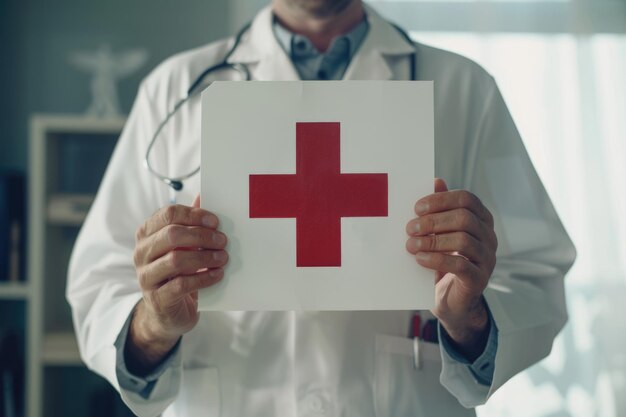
[242, 11]
[38, 35]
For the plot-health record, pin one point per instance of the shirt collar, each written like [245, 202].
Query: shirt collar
[259, 43]
[300, 47]
[260, 48]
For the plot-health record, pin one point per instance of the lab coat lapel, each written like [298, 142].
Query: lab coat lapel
[276, 67]
[382, 41]
[368, 65]
[260, 50]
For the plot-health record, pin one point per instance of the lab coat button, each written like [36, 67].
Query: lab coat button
[301, 44]
[315, 405]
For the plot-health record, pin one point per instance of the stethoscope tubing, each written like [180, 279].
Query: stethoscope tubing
[176, 183]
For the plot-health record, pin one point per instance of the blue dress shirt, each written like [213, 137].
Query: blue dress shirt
[313, 65]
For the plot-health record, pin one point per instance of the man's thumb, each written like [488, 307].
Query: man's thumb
[196, 201]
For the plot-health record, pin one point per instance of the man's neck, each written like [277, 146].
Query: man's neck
[319, 30]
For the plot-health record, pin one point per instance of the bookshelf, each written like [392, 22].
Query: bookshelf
[13, 302]
[68, 156]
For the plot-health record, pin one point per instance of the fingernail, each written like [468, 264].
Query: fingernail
[219, 256]
[423, 256]
[209, 221]
[417, 243]
[421, 207]
[215, 272]
[416, 227]
[219, 239]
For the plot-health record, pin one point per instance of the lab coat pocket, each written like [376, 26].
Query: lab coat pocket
[404, 387]
[200, 392]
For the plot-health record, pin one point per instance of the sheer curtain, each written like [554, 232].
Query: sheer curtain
[565, 85]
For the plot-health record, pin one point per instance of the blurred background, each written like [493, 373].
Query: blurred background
[561, 65]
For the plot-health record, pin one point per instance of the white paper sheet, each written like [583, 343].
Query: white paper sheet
[249, 128]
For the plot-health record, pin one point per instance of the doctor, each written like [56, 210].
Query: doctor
[133, 295]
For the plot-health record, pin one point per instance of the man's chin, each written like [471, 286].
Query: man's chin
[322, 8]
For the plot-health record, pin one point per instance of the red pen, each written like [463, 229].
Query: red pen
[417, 326]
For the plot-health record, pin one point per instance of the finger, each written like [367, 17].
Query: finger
[459, 242]
[176, 236]
[176, 289]
[450, 200]
[179, 262]
[454, 264]
[196, 202]
[440, 185]
[458, 220]
[177, 214]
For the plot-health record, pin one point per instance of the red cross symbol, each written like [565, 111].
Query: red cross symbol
[318, 195]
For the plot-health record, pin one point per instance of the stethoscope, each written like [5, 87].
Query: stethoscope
[176, 183]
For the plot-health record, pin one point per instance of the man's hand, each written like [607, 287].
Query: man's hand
[177, 252]
[453, 235]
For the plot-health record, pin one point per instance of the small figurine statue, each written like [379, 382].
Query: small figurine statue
[106, 68]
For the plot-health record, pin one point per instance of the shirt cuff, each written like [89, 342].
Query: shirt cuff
[483, 367]
[142, 385]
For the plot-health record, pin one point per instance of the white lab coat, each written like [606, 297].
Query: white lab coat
[245, 364]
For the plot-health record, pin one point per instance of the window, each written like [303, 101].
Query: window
[561, 66]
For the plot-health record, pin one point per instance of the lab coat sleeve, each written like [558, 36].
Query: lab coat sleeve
[482, 368]
[142, 385]
[526, 291]
[102, 287]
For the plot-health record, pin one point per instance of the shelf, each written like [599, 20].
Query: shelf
[67, 156]
[67, 123]
[68, 209]
[60, 349]
[14, 290]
